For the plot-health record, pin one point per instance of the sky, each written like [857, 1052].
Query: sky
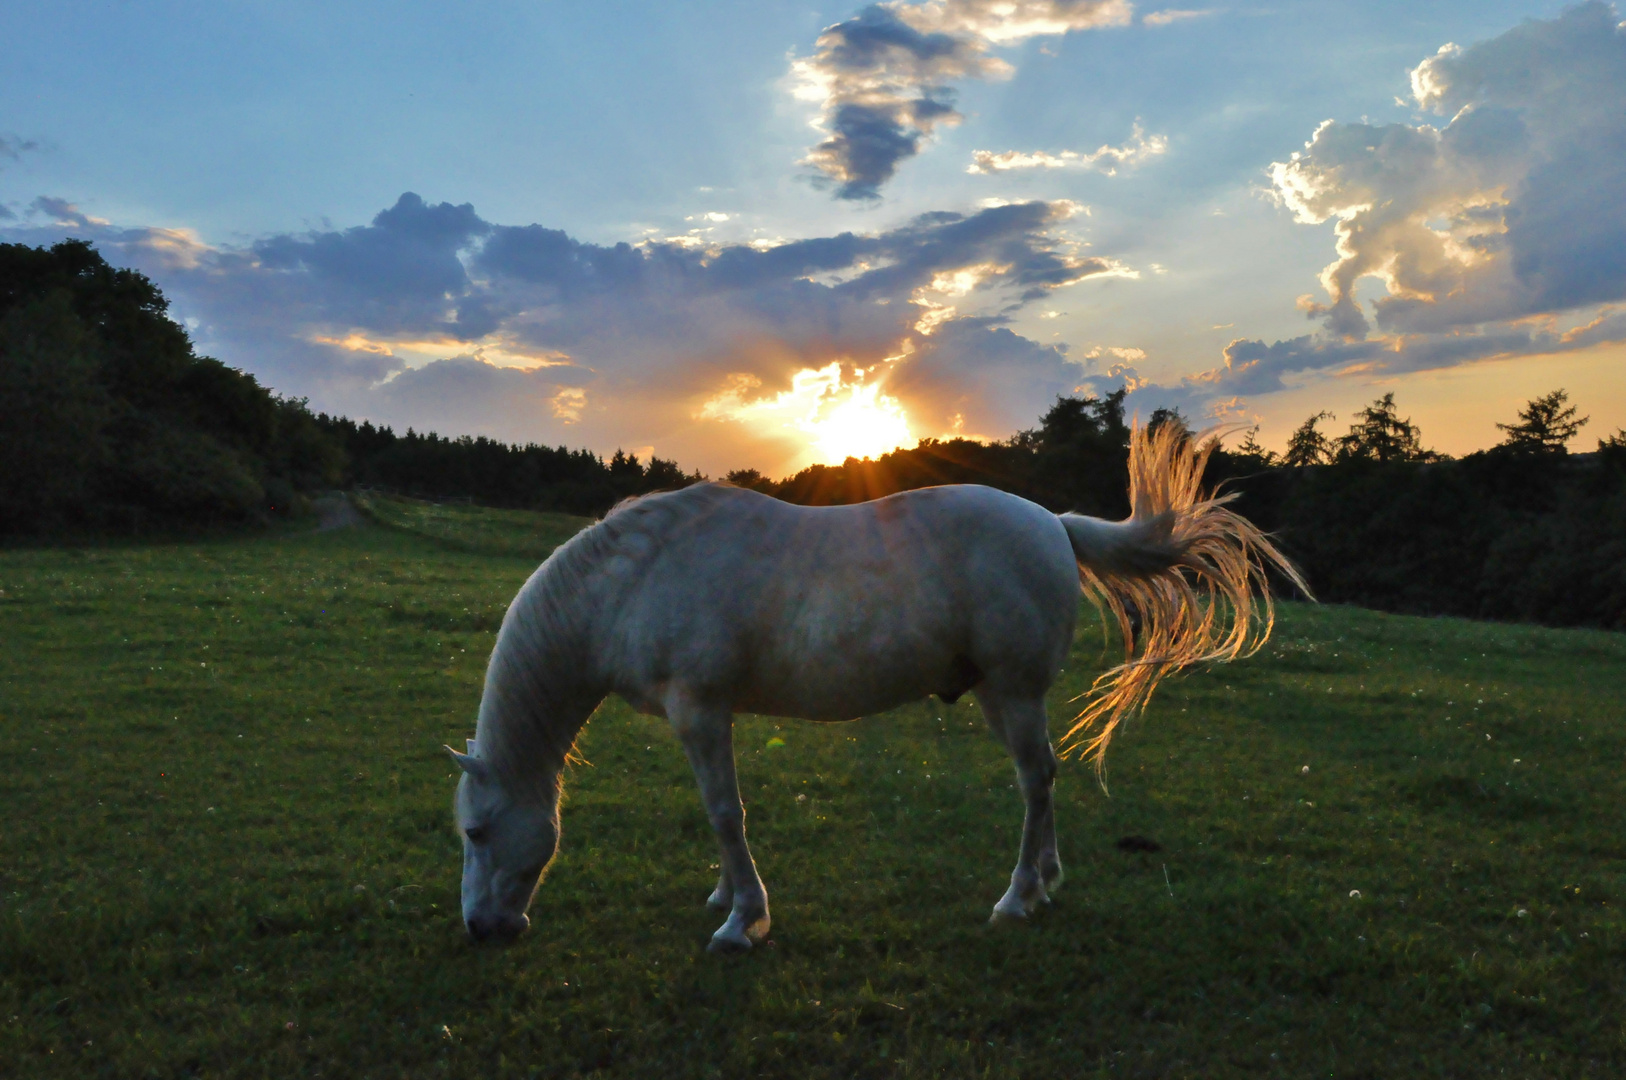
[760, 235]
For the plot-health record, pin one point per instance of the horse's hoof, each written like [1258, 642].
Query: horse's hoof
[718, 902]
[1053, 877]
[1008, 911]
[729, 943]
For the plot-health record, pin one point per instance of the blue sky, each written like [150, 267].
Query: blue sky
[341, 199]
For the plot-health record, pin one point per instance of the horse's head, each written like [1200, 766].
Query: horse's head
[508, 840]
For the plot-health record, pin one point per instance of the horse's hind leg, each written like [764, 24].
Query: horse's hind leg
[707, 733]
[1023, 727]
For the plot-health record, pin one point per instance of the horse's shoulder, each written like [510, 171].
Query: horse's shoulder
[670, 507]
[637, 527]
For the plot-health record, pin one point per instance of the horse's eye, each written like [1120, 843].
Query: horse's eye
[477, 835]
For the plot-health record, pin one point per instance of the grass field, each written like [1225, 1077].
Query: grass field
[229, 853]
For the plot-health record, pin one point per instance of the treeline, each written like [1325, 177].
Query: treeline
[1500, 534]
[1523, 531]
[494, 473]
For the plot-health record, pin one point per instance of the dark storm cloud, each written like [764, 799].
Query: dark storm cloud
[885, 86]
[402, 273]
[884, 78]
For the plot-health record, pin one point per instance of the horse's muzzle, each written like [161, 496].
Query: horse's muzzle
[499, 929]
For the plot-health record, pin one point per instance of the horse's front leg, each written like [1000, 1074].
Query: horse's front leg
[722, 897]
[707, 733]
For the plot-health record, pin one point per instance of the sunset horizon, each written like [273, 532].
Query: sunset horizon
[871, 226]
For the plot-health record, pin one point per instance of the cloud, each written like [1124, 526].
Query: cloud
[982, 381]
[1004, 22]
[1105, 159]
[433, 317]
[1513, 208]
[13, 147]
[1251, 367]
[468, 394]
[1174, 15]
[1500, 234]
[884, 77]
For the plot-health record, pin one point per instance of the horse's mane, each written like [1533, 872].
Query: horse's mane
[539, 688]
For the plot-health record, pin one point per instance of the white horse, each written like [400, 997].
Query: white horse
[698, 603]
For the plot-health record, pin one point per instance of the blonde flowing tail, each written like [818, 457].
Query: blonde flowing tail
[1190, 572]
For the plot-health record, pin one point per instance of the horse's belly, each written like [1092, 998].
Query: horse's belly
[845, 686]
[824, 705]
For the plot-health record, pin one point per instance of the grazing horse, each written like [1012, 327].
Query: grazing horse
[699, 603]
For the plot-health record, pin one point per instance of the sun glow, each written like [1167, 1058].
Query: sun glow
[836, 417]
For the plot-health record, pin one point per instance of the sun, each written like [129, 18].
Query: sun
[856, 420]
[833, 416]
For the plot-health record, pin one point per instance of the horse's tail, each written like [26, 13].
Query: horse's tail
[1183, 577]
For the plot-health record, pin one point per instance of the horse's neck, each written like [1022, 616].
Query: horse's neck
[537, 697]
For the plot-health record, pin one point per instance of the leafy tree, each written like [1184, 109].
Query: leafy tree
[1160, 417]
[1085, 421]
[1307, 446]
[1379, 434]
[54, 412]
[1079, 452]
[750, 478]
[1545, 425]
[110, 420]
[664, 474]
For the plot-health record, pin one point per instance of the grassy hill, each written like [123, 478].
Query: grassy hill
[484, 530]
[230, 850]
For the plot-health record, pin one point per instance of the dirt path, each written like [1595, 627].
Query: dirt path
[335, 511]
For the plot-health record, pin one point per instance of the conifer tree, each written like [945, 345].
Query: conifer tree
[1251, 448]
[1307, 446]
[1379, 434]
[1545, 425]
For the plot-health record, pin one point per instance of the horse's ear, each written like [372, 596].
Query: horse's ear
[468, 762]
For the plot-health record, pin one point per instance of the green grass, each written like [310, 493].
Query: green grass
[229, 853]
[479, 529]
